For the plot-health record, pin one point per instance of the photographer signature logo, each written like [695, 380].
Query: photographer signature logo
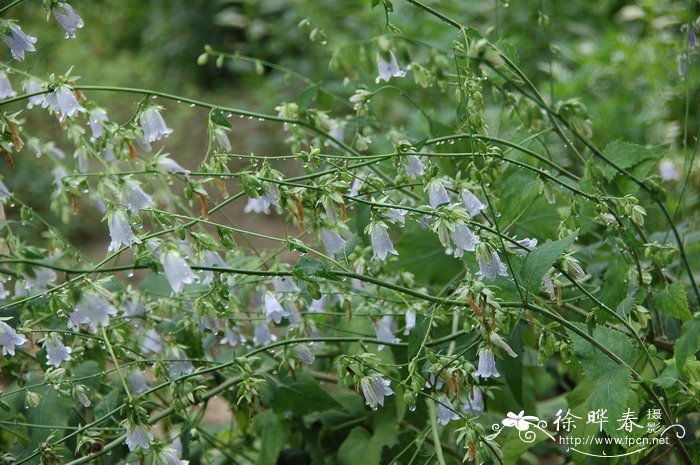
[565, 422]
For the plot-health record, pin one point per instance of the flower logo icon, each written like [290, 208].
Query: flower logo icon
[520, 421]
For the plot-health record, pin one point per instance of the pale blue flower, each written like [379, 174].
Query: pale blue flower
[332, 241]
[231, 338]
[381, 242]
[464, 240]
[528, 243]
[177, 271]
[213, 260]
[304, 354]
[273, 310]
[388, 67]
[410, 321]
[375, 389]
[490, 265]
[472, 203]
[151, 342]
[64, 103]
[445, 411]
[487, 365]
[668, 171]
[262, 335]
[67, 18]
[97, 117]
[9, 339]
[19, 42]
[32, 86]
[153, 125]
[92, 310]
[413, 166]
[182, 366]
[135, 197]
[474, 402]
[138, 436]
[4, 192]
[284, 284]
[385, 331]
[6, 90]
[318, 305]
[262, 203]
[137, 382]
[437, 193]
[56, 352]
[396, 214]
[120, 231]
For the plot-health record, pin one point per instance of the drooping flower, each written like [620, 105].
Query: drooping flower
[180, 367]
[134, 197]
[472, 203]
[67, 18]
[92, 310]
[381, 242]
[6, 90]
[120, 231]
[490, 264]
[222, 138]
[474, 402]
[464, 239]
[172, 457]
[388, 67]
[318, 305]
[668, 171]
[19, 42]
[375, 389]
[177, 271]
[273, 310]
[304, 354]
[56, 352]
[39, 283]
[213, 260]
[548, 286]
[573, 267]
[487, 365]
[410, 321]
[81, 394]
[138, 436]
[59, 174]
[284, 284]
[437, 194]
[231, 338]
[151, 342]
[137, 382]
[63, 102]
[332, 241]
[691, 37]
[445, 411]
[413, 166]
[4, 192]
[97, 117]
[528, 243]
[262, 203]
[9, 339]
[262, 335]
[385, 330]
[31, 86]
[171, 166]
[153, 125]
[396, 214]
[681, 67]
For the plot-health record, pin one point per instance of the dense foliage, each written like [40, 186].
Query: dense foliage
[418, 239]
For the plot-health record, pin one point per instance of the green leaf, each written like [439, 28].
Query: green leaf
[667, 378]
[540, 260]
[309, 268]
[358, 447]
[688, 344]
[347, 249]
[627, 155]
[302, 396]
[307, 96]
[273, 436]
[612, 382]
[417, 335]
[108, 403]
[51, 415]
[217, 117]
[673, 302]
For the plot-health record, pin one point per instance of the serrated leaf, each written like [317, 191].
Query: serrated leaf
[688, 344]
[635, 159]
[612, 382]
[673, 302]
[417, 335]
[302, 396]
[538, 262]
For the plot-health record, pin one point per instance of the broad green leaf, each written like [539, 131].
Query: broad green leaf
[614, 285]
[109, 402]
[417, 335]
[308, 267]
[51, 415]
[302, 396]
[688, 344]
[358, 448]
[307, 96]
[347, 249]
[667, 378]
[627, 155]
[612, 382]
[673, 302]
[538, 262]
[273, 436]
